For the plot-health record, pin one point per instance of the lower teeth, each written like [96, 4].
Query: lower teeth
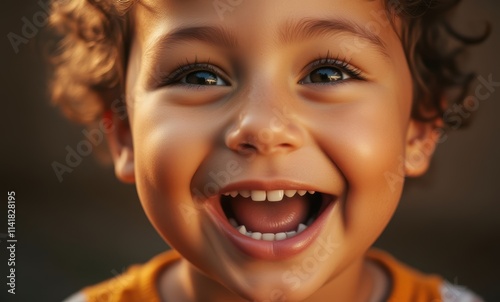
[270, 236]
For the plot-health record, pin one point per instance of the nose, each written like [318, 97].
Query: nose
[265, 128]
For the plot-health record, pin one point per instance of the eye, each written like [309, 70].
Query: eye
[196, 74]
[330, 71]
[325, 75]
[203, 77]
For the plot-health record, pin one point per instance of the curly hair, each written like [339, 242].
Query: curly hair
[89, 59]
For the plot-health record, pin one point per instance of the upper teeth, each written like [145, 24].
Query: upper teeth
[272, 195]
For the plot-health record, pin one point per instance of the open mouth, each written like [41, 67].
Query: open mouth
[273, 215]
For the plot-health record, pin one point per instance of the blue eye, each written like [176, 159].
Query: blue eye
[203, 77]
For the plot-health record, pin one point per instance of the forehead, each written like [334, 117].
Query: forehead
[222, 9]
[257, 19]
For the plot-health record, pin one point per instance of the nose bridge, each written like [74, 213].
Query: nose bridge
[266, 122]
[261, 103]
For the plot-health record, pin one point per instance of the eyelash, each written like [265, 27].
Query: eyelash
[182, 70]
[342, 64]
[321, 61]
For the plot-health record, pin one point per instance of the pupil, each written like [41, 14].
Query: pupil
[201, 78]
[325, 74]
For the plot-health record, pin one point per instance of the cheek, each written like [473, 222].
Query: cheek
[365, 140]
[376, 152]
[169, 146]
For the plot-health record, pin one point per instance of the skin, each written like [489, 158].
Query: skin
[342, 138]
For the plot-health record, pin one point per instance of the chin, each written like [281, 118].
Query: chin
[277, 291]
[275, 282]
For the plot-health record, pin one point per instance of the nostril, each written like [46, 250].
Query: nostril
[285, 146]
[246, 146]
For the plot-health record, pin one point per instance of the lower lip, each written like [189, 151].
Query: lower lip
[269, 250]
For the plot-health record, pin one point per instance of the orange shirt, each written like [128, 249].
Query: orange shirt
[407, 283]
[139, 282]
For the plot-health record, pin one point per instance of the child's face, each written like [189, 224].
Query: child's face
[269, 95]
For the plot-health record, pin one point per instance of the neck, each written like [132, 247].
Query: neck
[184, 283]
[362, 281]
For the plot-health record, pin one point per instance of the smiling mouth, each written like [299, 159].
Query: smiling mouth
[273, 215]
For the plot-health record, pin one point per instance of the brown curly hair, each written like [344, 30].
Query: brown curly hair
[89, 57]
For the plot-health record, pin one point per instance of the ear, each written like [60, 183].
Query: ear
[421, 140]
[119, 139]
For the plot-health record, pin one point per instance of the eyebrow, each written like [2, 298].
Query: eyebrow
[294, 31]
[289, 32]
[208, 34]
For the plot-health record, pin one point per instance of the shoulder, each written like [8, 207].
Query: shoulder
[409, 284]
[137, 283]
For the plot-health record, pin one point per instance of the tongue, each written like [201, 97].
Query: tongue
[270, 217]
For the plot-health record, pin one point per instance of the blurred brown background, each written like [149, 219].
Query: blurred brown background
[90, 227]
